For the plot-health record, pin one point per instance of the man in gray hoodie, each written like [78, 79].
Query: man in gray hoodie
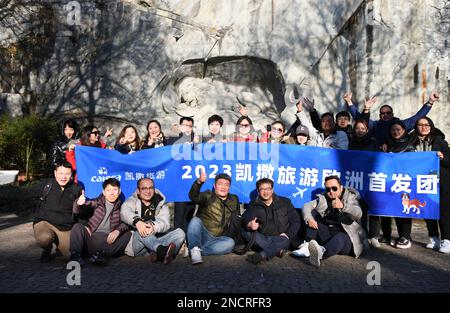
[333, 222]
[147, 213]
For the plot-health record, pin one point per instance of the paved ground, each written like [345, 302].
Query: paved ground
[414, 270]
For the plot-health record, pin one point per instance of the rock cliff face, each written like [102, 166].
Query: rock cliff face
[127, 61]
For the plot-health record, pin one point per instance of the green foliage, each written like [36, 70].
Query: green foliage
[25, 144]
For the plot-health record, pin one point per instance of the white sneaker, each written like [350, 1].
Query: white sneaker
[196, 256]
[302, 251]
[184, 250]
[316, 252]
[434, 243]
[374, 242]
[445, 246]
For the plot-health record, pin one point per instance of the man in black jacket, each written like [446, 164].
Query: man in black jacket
[274, 220]
[54, 218]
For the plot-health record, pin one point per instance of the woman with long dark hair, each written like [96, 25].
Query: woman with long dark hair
[67, 137]
[128, 140]
[398, 142]
[426, 137]
[155, 137]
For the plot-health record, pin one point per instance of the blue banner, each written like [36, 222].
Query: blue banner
[393, 184]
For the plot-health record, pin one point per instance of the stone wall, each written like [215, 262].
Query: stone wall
[127, 61]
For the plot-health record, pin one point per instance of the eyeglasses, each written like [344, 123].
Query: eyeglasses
[277, 129]
[386, 113]
[96, 133]
[334, 188]
[244, 125]
[424, 125]
[146, 188]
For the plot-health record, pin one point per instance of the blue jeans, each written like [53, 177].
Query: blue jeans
[199, 236]
[143, 245]
[270, 245]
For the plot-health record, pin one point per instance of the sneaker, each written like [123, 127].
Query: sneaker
[184, 250]
[434, 243]
[196, 256]
[403, 243]
[46, 256]
[302, 251]
[255, 258]
[170, 253]
[445, 246]
[385, 240]
[374, 242]
[98, 258]
[394, 242]
[316, 252]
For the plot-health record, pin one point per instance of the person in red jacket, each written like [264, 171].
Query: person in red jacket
[91, 138]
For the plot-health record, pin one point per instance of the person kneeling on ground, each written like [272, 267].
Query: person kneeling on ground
[54, 218]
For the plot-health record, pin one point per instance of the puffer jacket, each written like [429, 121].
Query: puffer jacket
[213, 212]
[132, 209]
[96, 210]
[351, 210]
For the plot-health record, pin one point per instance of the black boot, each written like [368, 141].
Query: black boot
[99, 258]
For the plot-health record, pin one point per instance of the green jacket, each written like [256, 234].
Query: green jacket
[214, 213]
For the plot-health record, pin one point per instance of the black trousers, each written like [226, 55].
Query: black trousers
[377, 223]
[183, 213]
[443, 224]
[83, 243]
[333, 239]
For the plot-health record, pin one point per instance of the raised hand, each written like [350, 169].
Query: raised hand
[434, 97]
[337, 203]
[109, 132]
[243, 111]
[308, 103]
[299, 106]
[82, 199]
[122, 141]
[348, 98]
[202, 177]
[369, 103]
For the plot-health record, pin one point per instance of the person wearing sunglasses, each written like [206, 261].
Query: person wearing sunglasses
[380, 128]
[244, 131]
[333, 222]
[90, 137]
[276, 134]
